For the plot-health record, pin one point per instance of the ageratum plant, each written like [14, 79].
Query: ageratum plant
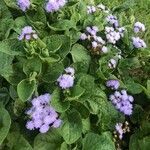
[74, 75]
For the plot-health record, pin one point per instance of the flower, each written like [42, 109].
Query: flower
[24, 4]
[28, 33]
[57, 123]
[70, 71]
[94, 44]
[138, 26]
[122, 101]
[113, 84]
[138, 43]
[54, 5]
[104, 49]
[65, 81]
[43, 116]
[112, 20]
[112, 64]
[91, 9]
[112, 36]
[83, 36]
[119, 129]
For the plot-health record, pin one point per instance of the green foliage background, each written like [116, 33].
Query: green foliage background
[29, 69]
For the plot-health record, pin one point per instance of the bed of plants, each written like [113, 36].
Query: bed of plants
[74, 75]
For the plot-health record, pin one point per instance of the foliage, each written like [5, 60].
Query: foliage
[30, 68]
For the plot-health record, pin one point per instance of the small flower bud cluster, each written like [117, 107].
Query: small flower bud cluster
[96, 41]
[112, 63]
[54, 5]
[113, 35]
[66, 80]
[122, 101]
[137, 41]
[24, 4]
[28, 33]
[138, 26]
[121, 128]
[113, 84]
[43, 116]
[93, 9]
[112, 20]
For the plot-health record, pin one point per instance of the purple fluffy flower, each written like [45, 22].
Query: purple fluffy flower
[112, 20]
[70, 71]
[24, 4]
[119, 130]
[57, 123]
[112, 63]
[138, 26]
[113, 84]
[65, 81]
[30, 125]
[54, 5]
[28, 33]
[138, 43]
[44, 128]
[42, 115]
[91, 9]
[122, 101]
[104, 49]
[83, 36]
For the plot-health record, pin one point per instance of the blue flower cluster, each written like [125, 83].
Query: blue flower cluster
[137, 41]
[28, 33]
[66, 80]
[122, 101]
[24, 4]
[51, 5]
[96, 41]
[54, 5]
[113, 84]
[43, 116]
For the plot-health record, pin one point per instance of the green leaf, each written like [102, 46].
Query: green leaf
[133, 87]
[148, 85]
[32, 65]
[52, 72]
[25, 89]
[66, 46]
[17, 143]
[62, 25]
[11, 47]
[64, 146]
[53, 42]
[37, 17]
[87, 82]
[5, 122]
[138, 114]
[76, 92]
[82, 109]
[51, 140]
[11, 3]
[4, 96]
[94, 141]
[57, 103]
[52, 59]
[16, 75]
[5, 65]
[72, 127]
[86, 125]
[79, 54]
